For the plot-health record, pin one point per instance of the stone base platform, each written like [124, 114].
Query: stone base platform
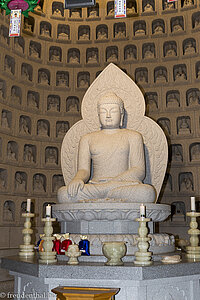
[160, 242]
[106, 217]
[111, 221]
[178, 281]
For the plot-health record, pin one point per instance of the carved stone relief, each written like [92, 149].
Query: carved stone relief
[20, 182]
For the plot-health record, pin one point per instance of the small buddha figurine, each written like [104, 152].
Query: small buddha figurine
[141, 78]
[53, 104]
[38, 184]
[193, 99]
[149, 52]
[92, 57]
[93, 13]
[186, 184]
[14, 97]
[177, 26]
[189, 48]
[45, 31]
[197, 22]
[75, 13]
[25, 73]
[74, 59]
[196, 152]
[177, 154]
[148, 7]
[20, 183]
[172, 101]
[28, 154]
[152, 103]
[180, 75]
[168, 5]
[120, 33]
[33, 51]
[160, 76]
[139, 30]
[102, 34]
[83, 83]
[130, 9]
[51, 156]
[57, 12]
[63, 34]
[32, 101]
[4, 120]
[24, 128]
[184, 127]
[43, 78]
[158, 29]
[8, 66]
[10, 153]
[62, 129]
[111, 12]
[129, 54]
[55, 55]
[187, 3]
[73, 106]
[7, 212]
[42, 128]
[112, 56]
[170, 51]
[84, 35]
[27, 26]
[58, 182]
[62, 80]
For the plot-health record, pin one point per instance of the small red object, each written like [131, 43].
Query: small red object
[57, 246]
[64, 246]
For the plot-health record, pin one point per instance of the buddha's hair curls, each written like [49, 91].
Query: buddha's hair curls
[110, 98]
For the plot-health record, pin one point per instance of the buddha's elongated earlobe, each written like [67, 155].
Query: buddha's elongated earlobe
[122, 118]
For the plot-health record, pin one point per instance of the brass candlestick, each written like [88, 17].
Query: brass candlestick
[26, 250]
[48, 256]
[143, 256]
[193, 250]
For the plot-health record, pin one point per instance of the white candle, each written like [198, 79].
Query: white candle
[142, 210]
[48, 210]
[28, 205]
[193, 208]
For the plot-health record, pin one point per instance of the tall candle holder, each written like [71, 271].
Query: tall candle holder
[48, 256]
[193, 250]
[26, 250]
[143, 256]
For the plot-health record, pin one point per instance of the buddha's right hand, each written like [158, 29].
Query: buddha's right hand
[74, 186]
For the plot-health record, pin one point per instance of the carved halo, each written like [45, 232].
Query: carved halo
[112, 79]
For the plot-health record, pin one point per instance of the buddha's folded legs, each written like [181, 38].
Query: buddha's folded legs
[127, 191]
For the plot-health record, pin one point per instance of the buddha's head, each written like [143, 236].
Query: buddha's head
[110, 109]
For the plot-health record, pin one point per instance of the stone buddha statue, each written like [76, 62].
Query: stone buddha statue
[109, 155]
[111, 161]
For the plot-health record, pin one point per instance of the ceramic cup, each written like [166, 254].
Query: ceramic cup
[114, 251]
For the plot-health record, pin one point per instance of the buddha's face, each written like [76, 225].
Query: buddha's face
[110, 116]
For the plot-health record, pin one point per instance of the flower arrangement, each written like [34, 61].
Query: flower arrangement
[24, 5]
